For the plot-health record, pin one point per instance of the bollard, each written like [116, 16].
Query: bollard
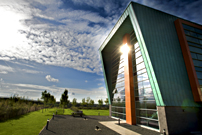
[164, 132]
[47, 124]
[119, 121]
[53, 116]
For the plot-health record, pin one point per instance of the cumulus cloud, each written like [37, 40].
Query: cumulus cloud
[73, 93]
[5, 69]
[54, 36]
[51, 33]
[86, 81]
[51, 79]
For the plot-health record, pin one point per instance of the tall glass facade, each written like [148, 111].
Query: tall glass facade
[194, 40]
[118, 85]
[146, 111]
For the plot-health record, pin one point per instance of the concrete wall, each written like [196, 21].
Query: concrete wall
[180, 120]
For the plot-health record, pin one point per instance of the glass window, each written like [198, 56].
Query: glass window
[118, 104]
[142, 77]
[145, 98]
[120, 110]
[197, 63]
[198, 69]
[138, 54]
[192, 39]
[153, 124]
[188, 27]
[136, 45]
[198, 31]
[199, 56]
[195, 49]
[146, 104]
[199, 36]
[143, 92]
[121, 75]
[200, 42]
[192, 44]
[121, 69]
[193, 55]
[147, 113]
[138, 60]
[119, 84]
[140, 66]
[200, 82]
[199, 75]
[190, 33]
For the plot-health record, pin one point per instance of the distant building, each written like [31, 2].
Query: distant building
[157, 83]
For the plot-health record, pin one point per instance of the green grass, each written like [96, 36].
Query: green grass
[95, 112]
[33, 122]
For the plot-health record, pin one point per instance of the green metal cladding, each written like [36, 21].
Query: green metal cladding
[162, 55]
[163, 47]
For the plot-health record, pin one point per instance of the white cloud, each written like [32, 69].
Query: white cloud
[100, 79]
[34, 91]
[46, 33]
[86, 81]
[3, 72]
[99, 84]
[31, 71]
[68, 42]
[5, 69]
[51, 79]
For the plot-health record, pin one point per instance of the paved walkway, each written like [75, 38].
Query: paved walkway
[68, 125]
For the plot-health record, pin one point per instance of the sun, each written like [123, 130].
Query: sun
[125, 48]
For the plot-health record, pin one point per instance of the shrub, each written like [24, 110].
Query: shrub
[75, 109]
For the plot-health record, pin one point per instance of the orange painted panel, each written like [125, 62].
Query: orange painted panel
[188, 59]
[129, 86]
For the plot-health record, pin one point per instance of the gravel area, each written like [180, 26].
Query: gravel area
[68, 125]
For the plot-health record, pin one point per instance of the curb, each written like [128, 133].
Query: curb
[45, 126]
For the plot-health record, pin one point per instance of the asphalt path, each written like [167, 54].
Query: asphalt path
[69, 125]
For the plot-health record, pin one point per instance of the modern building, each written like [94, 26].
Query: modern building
[152, 64]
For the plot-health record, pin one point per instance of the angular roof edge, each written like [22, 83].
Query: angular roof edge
[104, 43]
[110, 34]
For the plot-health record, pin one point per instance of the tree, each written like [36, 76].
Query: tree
[45, 97]
[106, 101]
[63, 99]
[118, 99]
[74, 102]
[100, 102]
[83, 102]
[48, 98]
[52, 100]
[87, 101]
[91, 102]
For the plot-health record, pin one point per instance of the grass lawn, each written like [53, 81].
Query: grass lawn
[33, 122]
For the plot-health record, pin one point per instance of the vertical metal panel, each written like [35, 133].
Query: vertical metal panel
[159, 33]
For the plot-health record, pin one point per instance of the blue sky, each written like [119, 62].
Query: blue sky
[53, 45]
